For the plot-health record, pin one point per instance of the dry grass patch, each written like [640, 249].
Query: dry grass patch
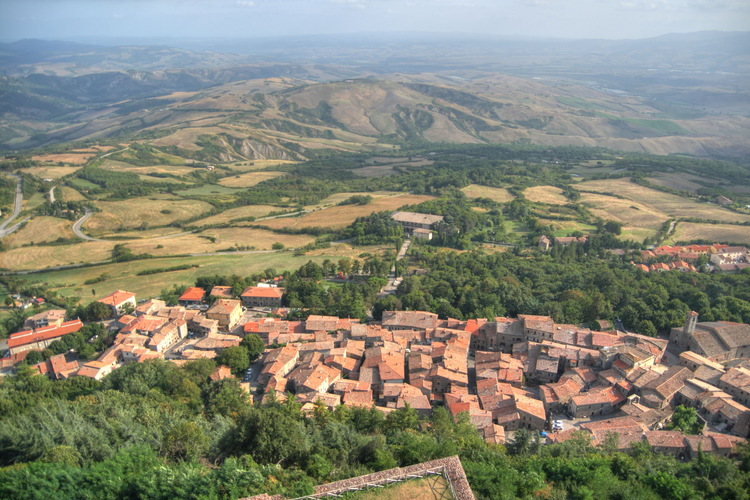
[689, 231]
[151, 169]
[342, 216]
[427, 488]
[71, 158]
[682, 182]
[249, 179]
[666, 203]
[51, 172]
[66, 193]
[546, 194]
[38, 230]
[250, 165]
[143, 212]
[236, 213]
[637, 218]
[214, 240]
[499, 195]
[41, 257]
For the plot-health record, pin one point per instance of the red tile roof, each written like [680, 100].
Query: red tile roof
[48, 333]
[116, 298]
[263, 291]
[193, 294]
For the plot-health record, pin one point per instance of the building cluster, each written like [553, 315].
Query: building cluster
[506, 374]
[723, 258]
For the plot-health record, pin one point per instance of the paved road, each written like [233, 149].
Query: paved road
[393, 281]
[16, 210]
[79, 223]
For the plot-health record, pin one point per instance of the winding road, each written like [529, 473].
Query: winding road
[4, 230]
[79, 223]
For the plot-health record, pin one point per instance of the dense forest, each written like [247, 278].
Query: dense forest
[155, 430]
[570, 285]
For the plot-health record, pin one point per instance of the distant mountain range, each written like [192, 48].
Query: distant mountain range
[676, 93]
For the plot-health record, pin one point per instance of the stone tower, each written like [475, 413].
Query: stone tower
[690, 321]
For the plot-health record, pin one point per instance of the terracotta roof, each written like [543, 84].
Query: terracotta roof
[224, 306]
[117, 298]
[47, 333]
[413, 319]
[263, 291]
[222, 292]
[666, 439]
[193, 294]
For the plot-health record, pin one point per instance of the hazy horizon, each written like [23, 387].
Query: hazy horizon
[204, 19]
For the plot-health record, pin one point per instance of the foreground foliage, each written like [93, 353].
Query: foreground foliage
[155, 430]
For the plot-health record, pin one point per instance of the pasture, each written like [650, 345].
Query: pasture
[67, 193]
[41, 257]
[249, 179]
[639, 220]
[70, 282]
[341, 216]
[214, 240]
[499, 195]
[39, 230]
[565, 227]
[251, 165]
[227, 216]
[669, 205]
[689, 231]
[50, 172]
[70, 158]
[546, 194]
[143, 212]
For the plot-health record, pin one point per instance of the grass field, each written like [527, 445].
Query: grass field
[223, 239]
[212, 240]
[151, 169]
[667, 204]
[342, 216]
[142, 212]
[36, 200]
[682, 182]
[82, 184]
[546, 194]
[38, 230]
[639, 220]
[688, 231]
[500, 195]
[247, 166]
[563, 227]
[69, 158]
[249, 179]
[40, 257]
[207, 190]
[67, 193]
[123, 276]
[236, 213]
[50, 172]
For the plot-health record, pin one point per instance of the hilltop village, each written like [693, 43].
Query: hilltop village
[507, 373]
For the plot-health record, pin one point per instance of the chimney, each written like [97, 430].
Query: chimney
[690, 321]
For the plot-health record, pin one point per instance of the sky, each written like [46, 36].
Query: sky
[613, 19]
